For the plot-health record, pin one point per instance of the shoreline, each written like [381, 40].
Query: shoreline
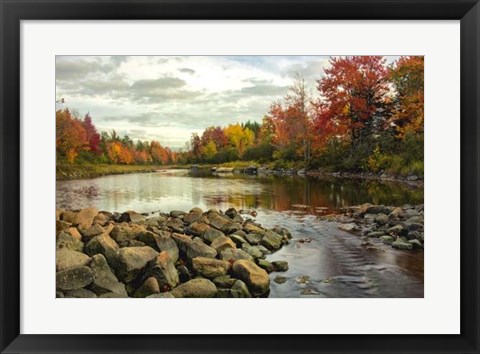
[87, 171]
[160, 255]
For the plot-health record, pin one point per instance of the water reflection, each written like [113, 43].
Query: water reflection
[178, 189]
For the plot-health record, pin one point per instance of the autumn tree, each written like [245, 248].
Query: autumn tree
[71, 136]
[92, 135]
[353, 93]
[407, 76]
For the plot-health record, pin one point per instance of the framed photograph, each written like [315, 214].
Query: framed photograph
[197, 176]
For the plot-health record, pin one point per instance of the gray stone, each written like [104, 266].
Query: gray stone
[272, 240]
[254, 239]
[239, 240]
[231, 255]
[211, 234]
[210, 268]
[416, 244]
[149, 287]
[163, 269]
[175, 224]
[252, 250]
[102, 244]
[240, 289]
[65, 240]
[80, 293]
[224, 281]
[132, 216]
[104, 280]
[280, 279]
[177, 213]
[280, 266]
[400, 245]
[255, 277]
[66, 259]
[222, 242]
[376, 234]
[129, 262]
[74, 278]
[262, 263]
[93, 231]
[388, 240]
[199, 288]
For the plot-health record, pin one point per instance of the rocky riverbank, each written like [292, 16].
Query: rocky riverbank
[179, 254]
[400, 227]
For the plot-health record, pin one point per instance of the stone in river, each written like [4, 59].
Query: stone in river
[272, 240]
[280, 266]
[200, 287]
[74, 278]
[255, 277]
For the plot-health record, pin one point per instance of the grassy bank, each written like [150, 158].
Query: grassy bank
[78, 171]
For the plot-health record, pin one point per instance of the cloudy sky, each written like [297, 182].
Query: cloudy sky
[168, 98]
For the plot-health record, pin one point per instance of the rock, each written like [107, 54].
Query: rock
[376, 234]
[232, 228]
[161, 243]
[280, 266]
[272, 240]
[132, 216]
[219, 221]
[400, 245]
[102, 244]
[415, 235]
[69, 216]
[240, 290]
[348, 227]
[254, 239]
[92, 231]
[239, 240]
[183, 274]
[182, 241]
[149, 287]
[166, 295]
[395, 230]
[163, 270]
[381, 219]
[129, 262]
[280, 279]
[58, 213]
[112, 295]
[177, 213]
[74, 233]
[74, 278]
[80, 293]
[192, 217]
[231, 212]
[416, 244]
[414, 226]
[263, 249]
[66, 259]
[388, 240]
[250, 228]
[197, 249]
[255, 277]
[373, 209]
[65, 240]
[231, 255]
[262, 263]
[84, 218]
[224, 281]
[101, 219]
[199, 288]
[175, 224]
[104, 280]
[283, 232]
[252, 250]
[62, 225]
[240, 233]
[222, 242]
[397, 213]
[124, 234]
[210, 268]
[211, 234]
[412, 212]
[197, 228]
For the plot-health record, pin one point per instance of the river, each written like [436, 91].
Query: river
[334, 263]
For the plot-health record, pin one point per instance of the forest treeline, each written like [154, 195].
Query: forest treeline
[365, 116]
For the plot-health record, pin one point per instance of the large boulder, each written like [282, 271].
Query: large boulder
[162, 268]
[124, 234]
[219, 221]
[231, 255]
[149, 287]
[129, 262]
[74, 278]
[200, 287]
[197, 228]
[272, 240]
[210, 268]
[211, 234]
[102, 244]
[255, 277]
[222, 242]
[65, 240]
[252, 250]
[104, 280]
[92, 231]
[182, 241]
[198, 249]
[175, 224]
[84, 217]
[254, 239]
[192, 217]
[66, 259]
[161, 242]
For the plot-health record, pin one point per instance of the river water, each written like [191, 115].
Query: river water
[333, 263]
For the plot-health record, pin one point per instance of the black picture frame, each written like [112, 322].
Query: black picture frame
[14, 11]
